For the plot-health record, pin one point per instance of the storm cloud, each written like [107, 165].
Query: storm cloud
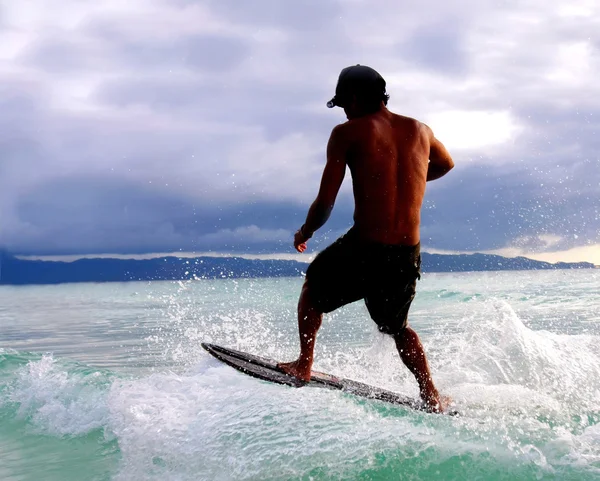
[153, 126]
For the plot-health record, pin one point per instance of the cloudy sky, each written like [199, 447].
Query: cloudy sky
[146, 126]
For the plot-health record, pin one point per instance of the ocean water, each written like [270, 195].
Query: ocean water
[109, 382]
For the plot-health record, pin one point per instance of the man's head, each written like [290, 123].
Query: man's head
[360, 89]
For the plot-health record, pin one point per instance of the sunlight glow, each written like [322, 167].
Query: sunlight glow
[472, 130]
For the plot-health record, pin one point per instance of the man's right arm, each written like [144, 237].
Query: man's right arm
[440, 160]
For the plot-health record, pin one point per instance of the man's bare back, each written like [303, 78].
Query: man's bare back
[388, 156]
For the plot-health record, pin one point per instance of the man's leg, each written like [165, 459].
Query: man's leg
[309, 322]
[413, 355]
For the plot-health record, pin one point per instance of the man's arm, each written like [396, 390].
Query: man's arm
[440, 161]
[331, 181]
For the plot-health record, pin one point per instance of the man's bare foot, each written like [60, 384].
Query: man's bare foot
[298, 369]
[435, 403]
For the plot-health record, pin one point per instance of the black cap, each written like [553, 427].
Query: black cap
[356, 78]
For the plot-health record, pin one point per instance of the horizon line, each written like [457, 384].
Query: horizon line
[303, 258]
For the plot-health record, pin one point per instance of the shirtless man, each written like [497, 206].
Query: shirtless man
[391, 158]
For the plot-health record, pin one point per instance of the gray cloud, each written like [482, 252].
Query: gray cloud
[307, 17]
[438, 47]
[194, 52]
[139, 219]
[68, 54]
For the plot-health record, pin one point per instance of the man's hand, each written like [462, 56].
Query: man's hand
[300, 240]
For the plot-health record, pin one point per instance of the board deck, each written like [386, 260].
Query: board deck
[267, 370]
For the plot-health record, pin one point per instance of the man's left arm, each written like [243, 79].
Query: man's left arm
[331, 181]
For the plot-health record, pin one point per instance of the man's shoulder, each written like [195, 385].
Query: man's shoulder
[361, 126]
[411, 125]
[407, 120]
[344, 130]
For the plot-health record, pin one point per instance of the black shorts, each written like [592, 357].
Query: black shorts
[385, 276]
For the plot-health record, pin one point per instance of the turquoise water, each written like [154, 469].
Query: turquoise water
[108, 382]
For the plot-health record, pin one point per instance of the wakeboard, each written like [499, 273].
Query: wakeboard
[267, 370]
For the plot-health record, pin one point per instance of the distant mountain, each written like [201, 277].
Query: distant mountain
[20, 271]
[489, 262]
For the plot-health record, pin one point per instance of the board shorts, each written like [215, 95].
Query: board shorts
[385, 276]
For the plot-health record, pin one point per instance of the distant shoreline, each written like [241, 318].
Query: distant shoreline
[15, 271]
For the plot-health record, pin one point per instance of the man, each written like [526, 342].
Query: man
[390, 158]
